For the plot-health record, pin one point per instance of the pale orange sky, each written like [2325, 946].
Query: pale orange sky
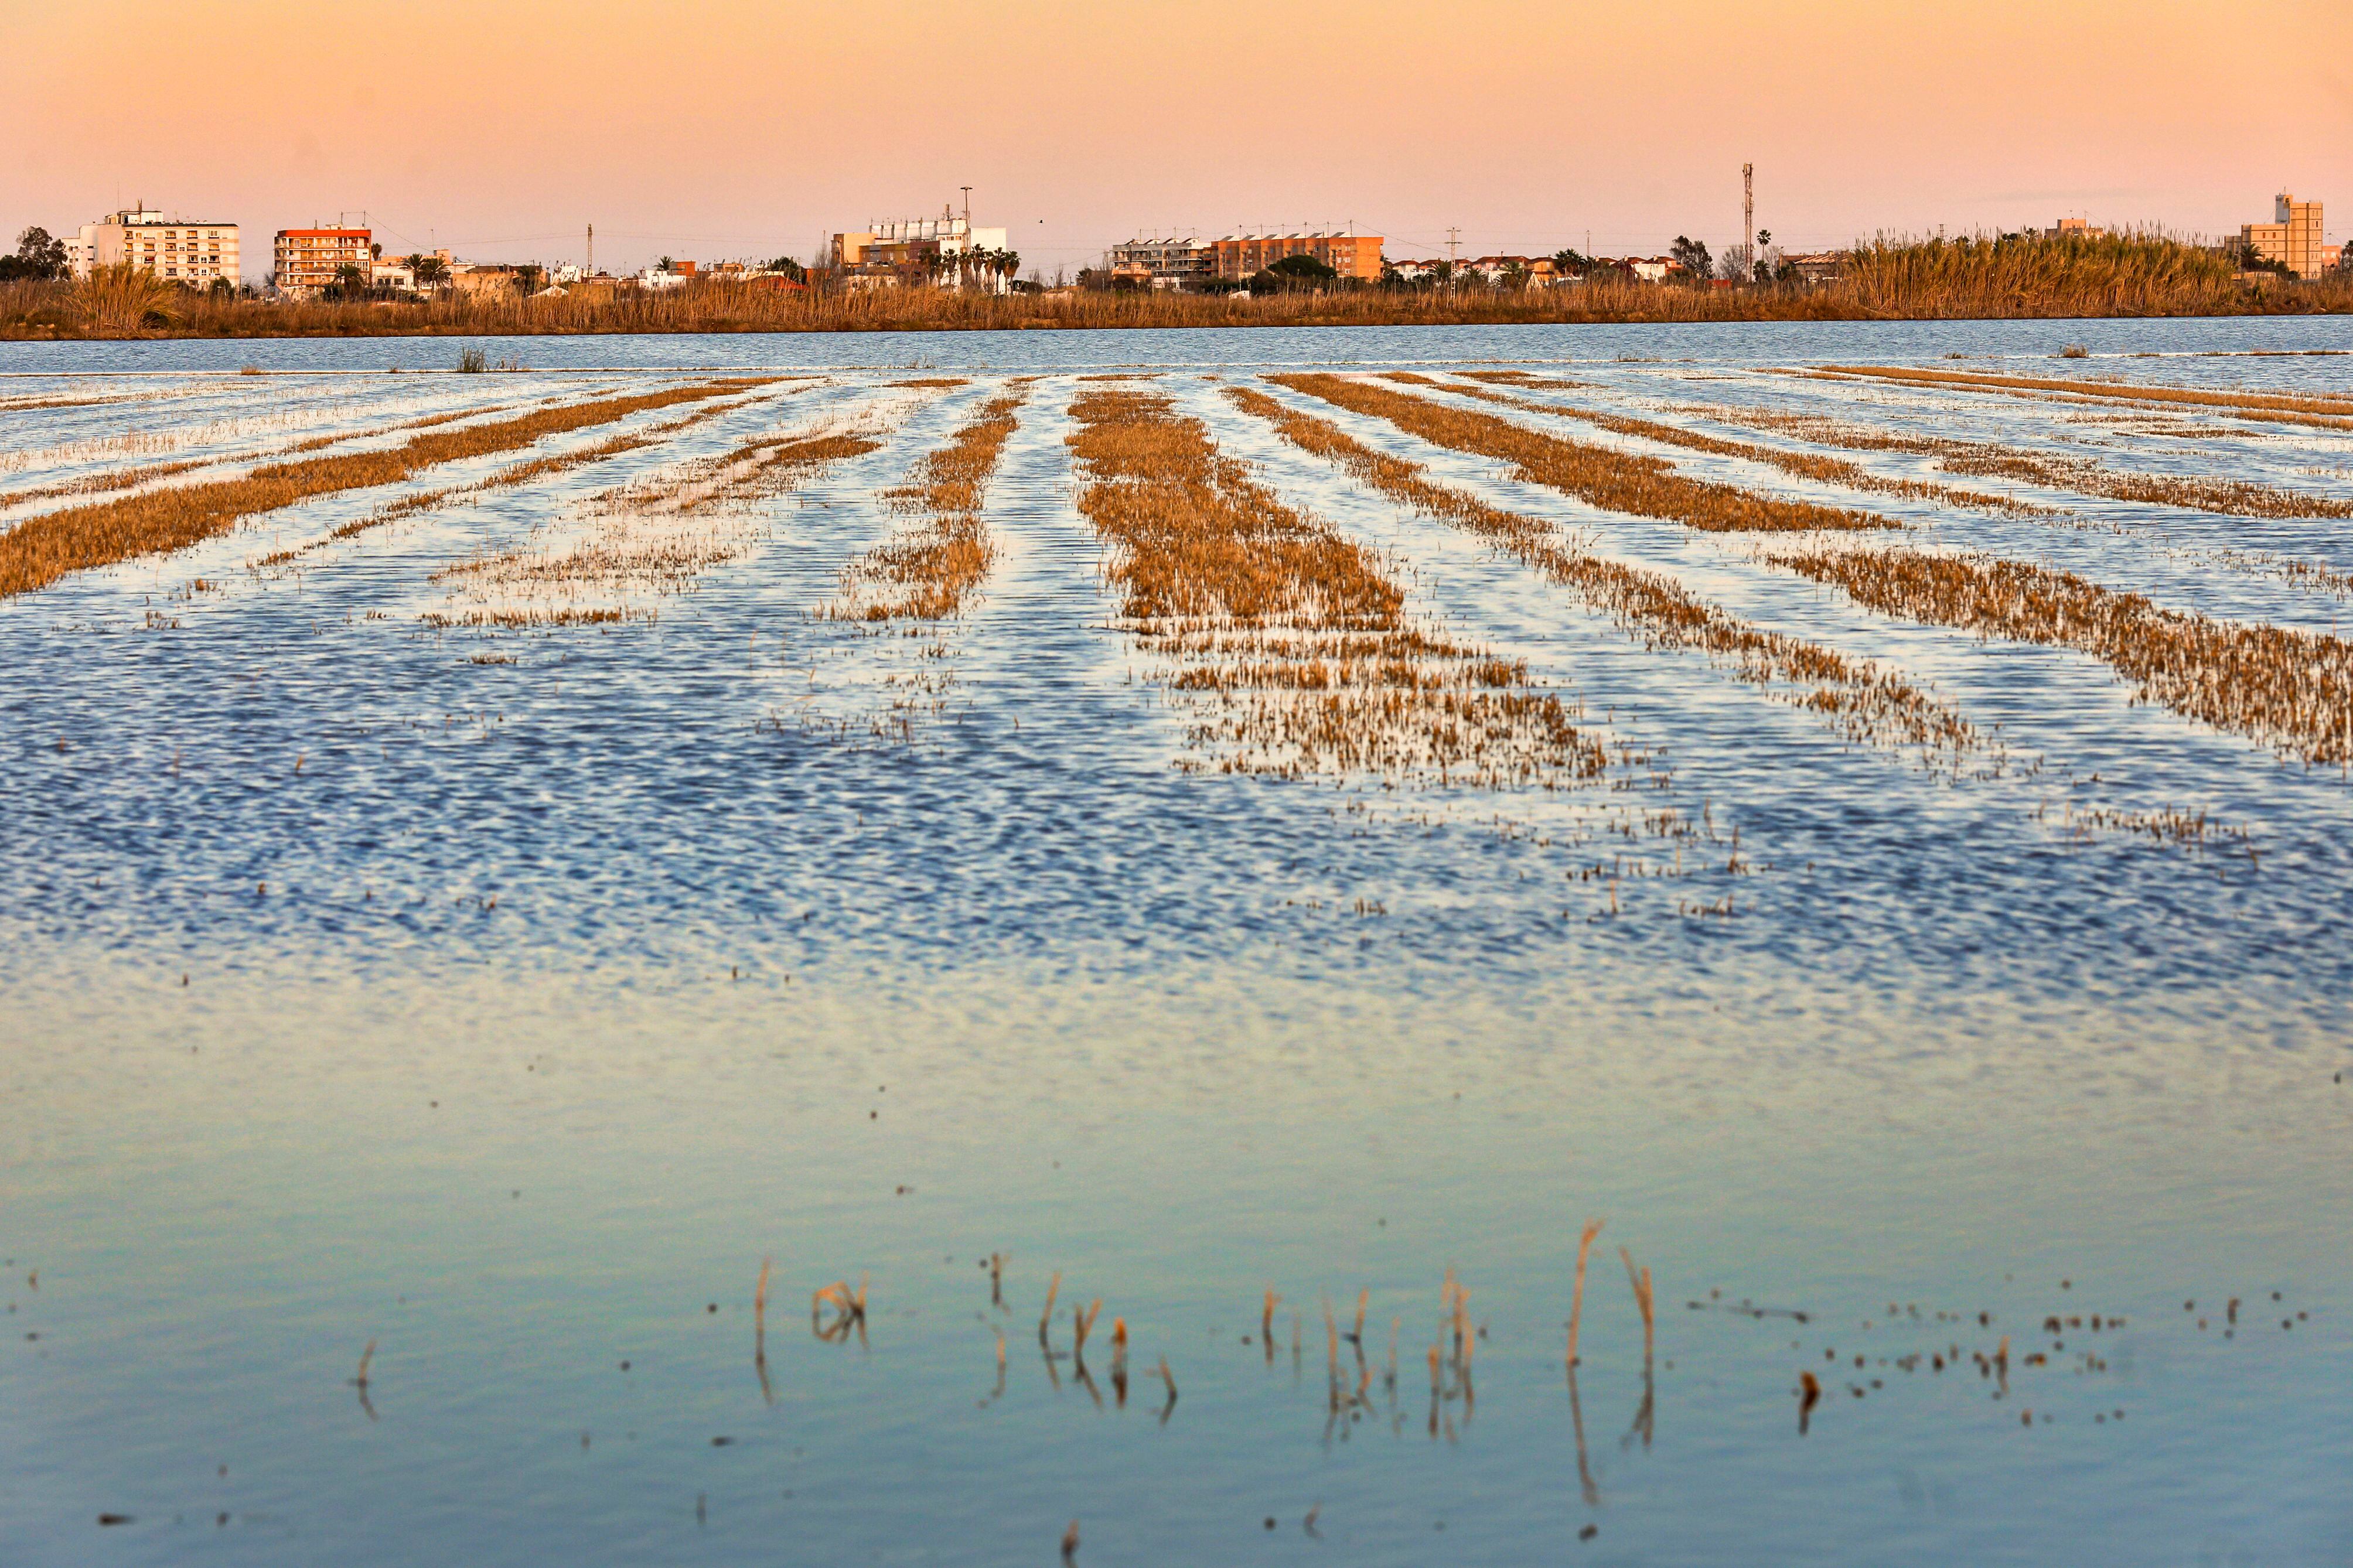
[736, 128]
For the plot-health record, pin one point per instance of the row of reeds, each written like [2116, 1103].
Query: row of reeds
[2290, 690]
[241, 438]
[2084, 475]
[2122, 274]
[1888, 279]
[768, 466]
[40, 550]
[651, 535]
[2129, 390]
[1867, 702]
[1292, 643]
[1598, 476]
[926, 573]
[1799, 464]
[2266, 408]
[513, 475]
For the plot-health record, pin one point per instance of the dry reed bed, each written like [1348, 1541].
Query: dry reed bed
[133, 479]
[2290, 690]
[1799, 465]
[2137, 392]
[2084, 475]
[27, 404]
[2287, 688]
[119, 480]
[2318, 413]
[2119, 275]
[1292, 641]
[926, 573]
[1615, 481]
[655, 539]
[1867, 703]
[1525, 378]
[151, 443]
[41, 549]
[508, 477]
[768, 466]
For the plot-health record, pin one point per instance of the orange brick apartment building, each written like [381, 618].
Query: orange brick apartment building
[308, 258]
[1236, 257]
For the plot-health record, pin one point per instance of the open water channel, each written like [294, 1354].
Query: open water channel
[493, 981]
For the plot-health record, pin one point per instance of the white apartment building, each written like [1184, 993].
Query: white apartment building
[176, 249]
[881, 252]
[1162, 262]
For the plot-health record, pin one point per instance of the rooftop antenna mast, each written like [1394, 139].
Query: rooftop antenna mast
[592, 250]
[967, 209]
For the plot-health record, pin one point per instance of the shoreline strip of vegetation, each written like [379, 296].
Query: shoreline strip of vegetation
[40, 550]
[2125, 275]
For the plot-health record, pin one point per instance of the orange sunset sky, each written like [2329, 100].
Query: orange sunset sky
[747, 128]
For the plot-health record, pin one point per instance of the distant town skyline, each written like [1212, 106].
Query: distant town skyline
[758, 130]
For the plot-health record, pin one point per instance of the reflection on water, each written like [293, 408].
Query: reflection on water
[443, 1065]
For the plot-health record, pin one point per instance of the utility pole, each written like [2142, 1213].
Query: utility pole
[968, 210]
[1748, 217]
[592, 250]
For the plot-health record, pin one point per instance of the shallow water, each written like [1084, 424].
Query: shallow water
[504, 995]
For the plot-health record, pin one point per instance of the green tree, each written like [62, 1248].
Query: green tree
[1694, 259]
[39, 258]
[1292, 274]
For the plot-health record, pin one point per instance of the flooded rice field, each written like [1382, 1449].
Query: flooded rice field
[1615, 945]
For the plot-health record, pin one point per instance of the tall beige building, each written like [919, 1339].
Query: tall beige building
[177, 249]
[2292, 237]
